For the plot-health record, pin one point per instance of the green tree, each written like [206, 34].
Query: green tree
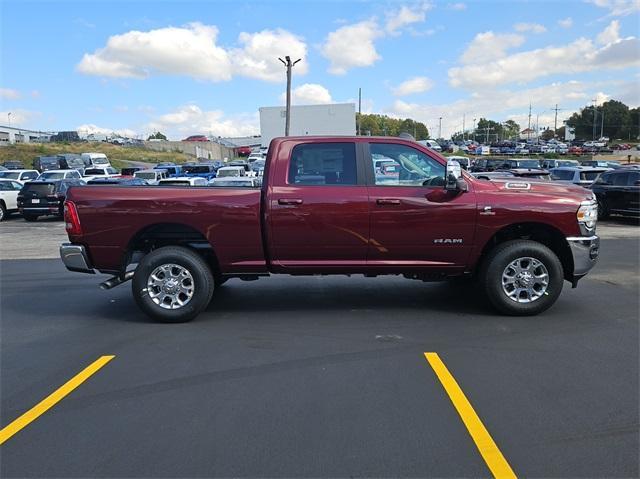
[157, 136]
[383, 125]
[547, 134]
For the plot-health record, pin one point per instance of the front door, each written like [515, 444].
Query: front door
[319, 216]
[414, 220]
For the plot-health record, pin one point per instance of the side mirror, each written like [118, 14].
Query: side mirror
[453, 177]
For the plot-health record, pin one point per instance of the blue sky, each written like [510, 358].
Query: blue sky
[206, 67]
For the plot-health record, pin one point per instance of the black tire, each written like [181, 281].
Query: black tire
[501, 257]
[203, 284]
[603, 209]
[3, 212]
[30, 217]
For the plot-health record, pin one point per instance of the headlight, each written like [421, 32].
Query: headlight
[587, 214]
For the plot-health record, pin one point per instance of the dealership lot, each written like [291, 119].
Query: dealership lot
[316, 376]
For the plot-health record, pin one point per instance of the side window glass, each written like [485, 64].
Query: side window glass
[323, 164]
[633, 178]
[16, 185]
[401, 165]
[620, 179]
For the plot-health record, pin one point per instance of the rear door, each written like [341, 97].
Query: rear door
[318, 210]
[414, 221]
[632, 192]
[616, 193]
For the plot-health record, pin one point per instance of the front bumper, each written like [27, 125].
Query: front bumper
[585, 251]
[75, 258]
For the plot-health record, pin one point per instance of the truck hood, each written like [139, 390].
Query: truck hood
[551, 188]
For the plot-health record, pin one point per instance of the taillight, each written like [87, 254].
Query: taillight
[71, 218]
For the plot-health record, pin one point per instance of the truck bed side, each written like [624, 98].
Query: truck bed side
[114, 218]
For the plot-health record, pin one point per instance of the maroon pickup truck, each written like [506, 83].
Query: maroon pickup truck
[336, 205]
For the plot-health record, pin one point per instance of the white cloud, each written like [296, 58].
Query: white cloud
[258, 56]
[352, 46]
[91, 129]
[20, 117]
[190, 50]
[618, 8]
[413, 85]
[457, 6]
[191, 119]
[309, 94]
[566, 22]
[610, 34]
[9, 94]
[405, 16]
[529, 27]
[578, 56]
[488, 46]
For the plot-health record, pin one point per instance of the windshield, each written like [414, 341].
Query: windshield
[10, 175]
[100, 161]
[51, 176]
[568, 163]
[197, 169]
[590, 175]
[49, 162]
[145, 176]
[94, 171]
[528, 164]
[226, 173]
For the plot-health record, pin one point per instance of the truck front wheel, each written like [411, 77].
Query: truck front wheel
[172, 284]
[522, 277]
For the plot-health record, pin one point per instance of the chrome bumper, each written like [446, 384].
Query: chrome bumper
[585, 251]
[75, 258]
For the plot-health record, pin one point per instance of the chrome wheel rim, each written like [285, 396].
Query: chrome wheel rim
[525, 280]
[170, 286]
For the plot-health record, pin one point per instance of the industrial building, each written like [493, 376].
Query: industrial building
[11, 135]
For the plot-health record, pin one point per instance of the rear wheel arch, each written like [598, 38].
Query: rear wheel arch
[159, 235]
[542, 233]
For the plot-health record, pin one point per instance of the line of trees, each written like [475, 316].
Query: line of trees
[382, 125]
[613, 119]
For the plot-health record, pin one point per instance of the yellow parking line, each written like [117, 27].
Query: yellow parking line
[47, 403]
[490, 453]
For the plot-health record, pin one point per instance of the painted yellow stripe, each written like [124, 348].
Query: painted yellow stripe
[496, 462]
[47, 403]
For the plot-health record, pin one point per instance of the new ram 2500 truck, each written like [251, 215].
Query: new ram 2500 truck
[336, 205]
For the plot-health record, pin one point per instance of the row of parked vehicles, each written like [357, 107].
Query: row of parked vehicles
[41, 191]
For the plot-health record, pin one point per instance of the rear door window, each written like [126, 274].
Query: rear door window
[323, 164]
[620, 179]
[632, 178]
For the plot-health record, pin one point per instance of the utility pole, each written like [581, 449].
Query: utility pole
[474, 129]
[463, 130]
[439, 127]
[602, 123]
[9, 118]
[359, 109]
[555, 121]
[529, 126]
[288, 65]
[595, 115]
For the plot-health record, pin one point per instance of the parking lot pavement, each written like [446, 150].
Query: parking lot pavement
[23, 240]
[303, 377]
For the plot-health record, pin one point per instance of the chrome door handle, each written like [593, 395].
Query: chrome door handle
[289, 201]
[388, 201]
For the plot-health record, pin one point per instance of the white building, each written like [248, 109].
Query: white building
[323, 120]
[11, 135]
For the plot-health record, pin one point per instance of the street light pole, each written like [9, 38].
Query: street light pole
[9, 118]
[439, 127]
[288, 65]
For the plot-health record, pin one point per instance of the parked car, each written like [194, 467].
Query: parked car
[59, 175]
[487, 164]
[151, 176]
[92, 173]
[236, 182]
[72, 161]
[95, 160]
[118, 180]
[318, 214]
[13, 165]
[547, 163]
[578, 175]
[183, 181]
[207, 171]
[464, 161]
[170, 169]
[618, 192]
[130, 171]
[196, 138]
[20, 175]
[9, 190]
[244, 165]
[44, 163]
[44, 198]
[601, 163]
[433, 144]
[231, 171]
[521, 163]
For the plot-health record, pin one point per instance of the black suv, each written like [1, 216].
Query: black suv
[487, 164]
[43, 198]
[618, 192]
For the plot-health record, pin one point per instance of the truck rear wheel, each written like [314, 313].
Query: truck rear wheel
[172, 284]
[522, 278]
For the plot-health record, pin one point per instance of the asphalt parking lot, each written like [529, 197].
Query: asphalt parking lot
[302, 377]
